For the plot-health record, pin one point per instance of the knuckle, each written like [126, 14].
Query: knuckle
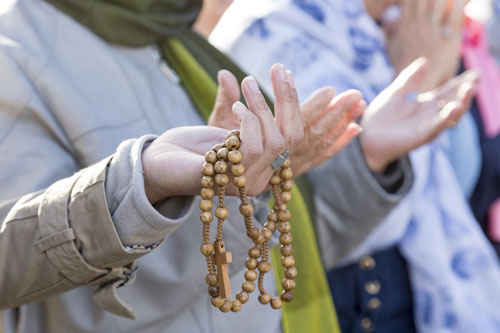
[277, 145]
[294, 138]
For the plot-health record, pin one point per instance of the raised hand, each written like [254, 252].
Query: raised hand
[400, 120]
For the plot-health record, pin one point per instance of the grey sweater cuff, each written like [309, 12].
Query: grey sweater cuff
[137, 222]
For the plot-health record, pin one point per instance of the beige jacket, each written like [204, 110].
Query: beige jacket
[69, 238]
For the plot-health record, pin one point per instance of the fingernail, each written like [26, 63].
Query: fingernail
[282, 73]
[290, 78]
[238, 106]
[252, 84]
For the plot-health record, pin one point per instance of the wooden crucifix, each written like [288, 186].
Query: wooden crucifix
[222, 258]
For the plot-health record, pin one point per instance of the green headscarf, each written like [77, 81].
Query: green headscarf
[136, 23]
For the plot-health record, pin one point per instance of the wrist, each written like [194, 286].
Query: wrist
[375, 159]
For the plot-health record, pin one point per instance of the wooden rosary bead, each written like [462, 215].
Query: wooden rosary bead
[227, 306]
[283, 215]
[234, 156]
[221, 213]
[276, 303]
[211, 157]
[251, 263]
[237, 169]
[286, 239]
[264, 298]
[232, 142]
[220, 167]
[234, 132]
[207, 248]
[218, 301]
[213, 291]
[236, 305]
[264, 266]
[207, 193]
[246, 209]
[272, 216]
[206, 205]
[207, 181]
[284, 227]
[242, 296]
[288, 284]
[251, 275]
[248, 286]
[211, 280]
[253, 233]
[275, 180]
[286, 250]
[266, 233]
[221, 179]
[206, 217]
[239, 181]
[254, 252]
[281, 207]
[286, 196]
[270, 225]
[286, 164]
[291, 273]
[286, 173]
[217, 147]
[260, 239]
[286, 185]
[288, 261]
[286, 296]
[207, 169]
[222, 154]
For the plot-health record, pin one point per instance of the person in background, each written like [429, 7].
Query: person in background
[210, 14]
[431, 240]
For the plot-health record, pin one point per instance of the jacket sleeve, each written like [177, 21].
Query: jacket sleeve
[57, 231]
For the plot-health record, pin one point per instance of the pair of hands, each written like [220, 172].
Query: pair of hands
[430, 29]
[311, 132]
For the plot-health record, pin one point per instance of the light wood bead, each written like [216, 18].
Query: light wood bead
[291, 273]
[253, 233]
[222, 154]
[221, 179]
[211, 157]
[206, 205]
[211, 280]
[207, 169]
[237, 169]
[213, 291]
[288, 284]
[254, 252]
[286, 239]
[281, 208]
[248, 286]
[283, 216]
[239, 181]
[275, 180]
[276, 303]
[207, 248]
[207, 193]
[242, 296]
[227, 306]
[260, 239]
[234, 156]
[286, 296]
[234, 132]
[286, 173]
[264, 266]
[236, 305]
[286, 250]
[272, 216]
[286, 185]
[284, 227]
[251, 263]
[251, 275]
[266, 233]
[207, 181]
[206, 217]
[286, 164]
[232, 142]
[218, 301]
[264, 298]
[246, 209]
[288, 261]
[270, 225]
[220, 167]
[286, 196]
[221, 213]
[218, 146]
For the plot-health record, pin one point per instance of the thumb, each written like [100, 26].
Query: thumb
[228, 92]
[412, 76]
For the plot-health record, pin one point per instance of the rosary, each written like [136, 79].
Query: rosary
[214, 172]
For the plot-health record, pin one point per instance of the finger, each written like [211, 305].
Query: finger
[453, 16]
[227, 94]
[251, 133]
[352, 131]
[412, 76]
[436, 12]
[449, 90]
[286, 107]
[316, 105]
[345, 123]
[272, 139]
[344, 109]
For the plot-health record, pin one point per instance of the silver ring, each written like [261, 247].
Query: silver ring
[279, 160]
[446, 32]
